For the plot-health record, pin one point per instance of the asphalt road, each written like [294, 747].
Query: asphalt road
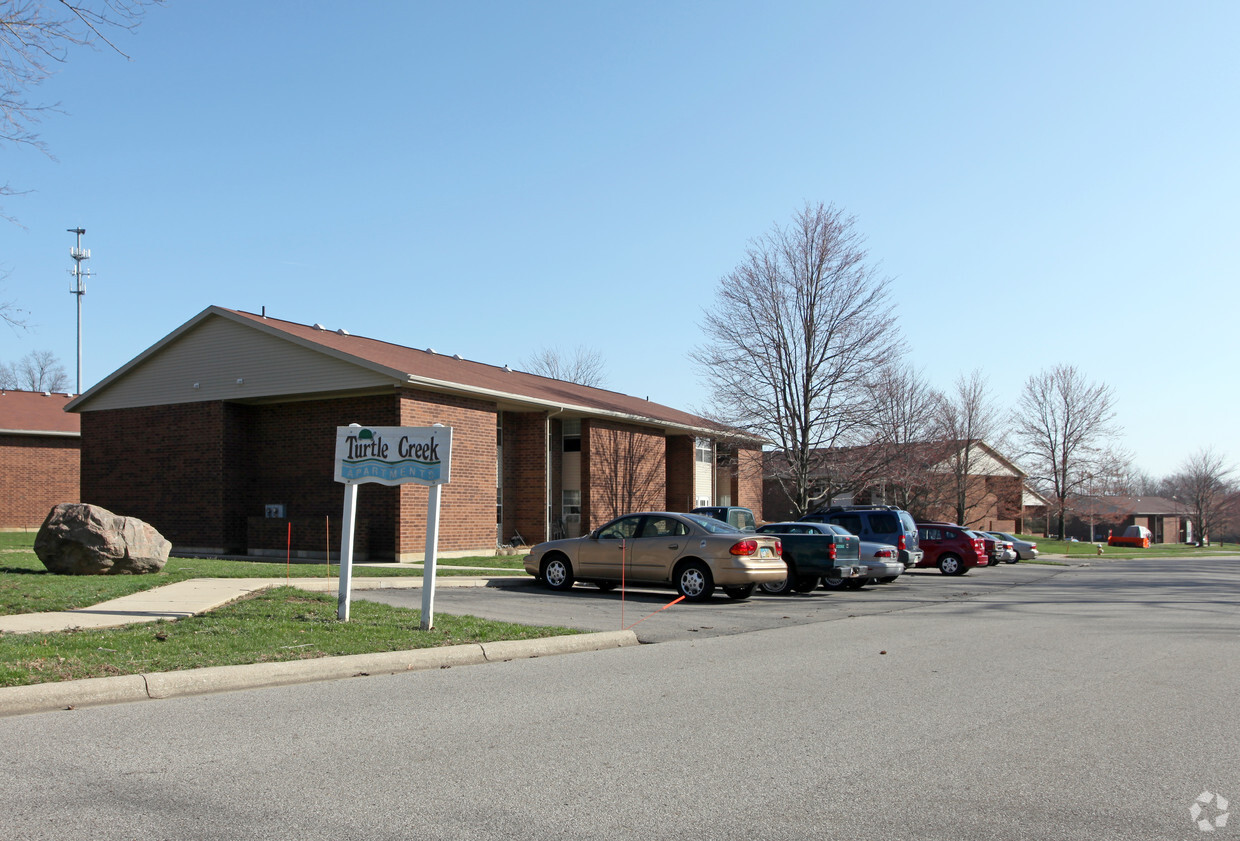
[647, 611]
[1085, 703]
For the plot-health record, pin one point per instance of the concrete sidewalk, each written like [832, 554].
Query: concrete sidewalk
[189, 598]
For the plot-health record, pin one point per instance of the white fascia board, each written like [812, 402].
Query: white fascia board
[49, 433]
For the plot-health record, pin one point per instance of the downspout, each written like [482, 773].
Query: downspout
[547, 472]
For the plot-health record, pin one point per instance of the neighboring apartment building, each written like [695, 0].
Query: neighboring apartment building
[1095, 518]
[221, 435]
[39, 445]
[919, 477]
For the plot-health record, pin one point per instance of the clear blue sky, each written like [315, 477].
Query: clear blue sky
[1045, 183]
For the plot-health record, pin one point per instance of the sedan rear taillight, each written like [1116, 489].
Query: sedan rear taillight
[885, 553]
[745, 547]
[901, 545]
[831, 552]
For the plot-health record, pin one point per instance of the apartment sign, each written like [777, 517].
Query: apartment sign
[393, 455]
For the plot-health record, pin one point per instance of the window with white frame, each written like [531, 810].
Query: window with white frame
[571, 500]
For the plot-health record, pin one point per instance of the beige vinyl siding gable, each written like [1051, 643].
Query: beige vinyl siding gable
[215, 354]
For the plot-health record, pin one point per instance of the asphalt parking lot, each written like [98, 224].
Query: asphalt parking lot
[647, 611]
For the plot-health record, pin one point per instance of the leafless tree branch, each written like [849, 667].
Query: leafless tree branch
[794, 334]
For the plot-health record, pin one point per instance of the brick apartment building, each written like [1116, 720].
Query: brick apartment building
[221, 435]
[39, 445]
[918, 477]
[1095, 518]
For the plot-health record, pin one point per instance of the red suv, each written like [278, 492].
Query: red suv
[950, 547]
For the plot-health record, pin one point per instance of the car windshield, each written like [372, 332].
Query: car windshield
[712, 525]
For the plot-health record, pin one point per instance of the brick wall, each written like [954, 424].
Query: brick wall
[198, 471]
[776, 506]
[681, 465]
[747, 490]
[467, 502]
[525, 469]
[622, 470]
[36, 473]
[161, 464]
[288, 458]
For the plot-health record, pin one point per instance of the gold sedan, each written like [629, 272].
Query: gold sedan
[689, 552]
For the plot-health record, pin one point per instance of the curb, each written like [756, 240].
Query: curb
[45, 697]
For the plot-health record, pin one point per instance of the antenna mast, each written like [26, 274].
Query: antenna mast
[78, 253]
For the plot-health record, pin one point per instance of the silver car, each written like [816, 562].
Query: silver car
[883, 561]
[1025, 550]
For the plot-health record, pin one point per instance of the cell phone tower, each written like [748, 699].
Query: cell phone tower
[78, 253]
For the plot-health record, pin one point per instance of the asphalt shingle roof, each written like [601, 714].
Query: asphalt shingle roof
[35, 411]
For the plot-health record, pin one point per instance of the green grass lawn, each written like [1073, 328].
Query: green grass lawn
[1158, 550]
[275, 625]
[282, 623]
[27, 587]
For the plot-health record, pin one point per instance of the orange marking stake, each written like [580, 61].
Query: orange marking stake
[648, 615]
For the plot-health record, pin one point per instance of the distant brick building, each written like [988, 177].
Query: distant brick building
[39, 447]
[918, 477]
[231, 419]
[1095, 518]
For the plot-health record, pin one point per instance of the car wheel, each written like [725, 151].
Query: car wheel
[837, 582]
[739, 593]
[951, 565]
[857, 583]
[805, 583]
[776, 588]
[694, 581]
[1014, 560]
[557, 573]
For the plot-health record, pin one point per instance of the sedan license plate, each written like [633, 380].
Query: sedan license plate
[765, 552]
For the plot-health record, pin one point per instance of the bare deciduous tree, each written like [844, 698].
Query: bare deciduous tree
[35, 37]
[901, 450]
[39, 370]
[1205, 485]
[585, 367]
[964, 417]
[796, 330]
[1064, 423]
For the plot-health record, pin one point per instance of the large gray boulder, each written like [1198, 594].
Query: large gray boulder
[81, 539]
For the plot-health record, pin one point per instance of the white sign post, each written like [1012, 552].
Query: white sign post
[392, 455]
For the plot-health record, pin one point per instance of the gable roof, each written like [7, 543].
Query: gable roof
[933, 455]
[1128, 506]
[376, 361]
[37, 413]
